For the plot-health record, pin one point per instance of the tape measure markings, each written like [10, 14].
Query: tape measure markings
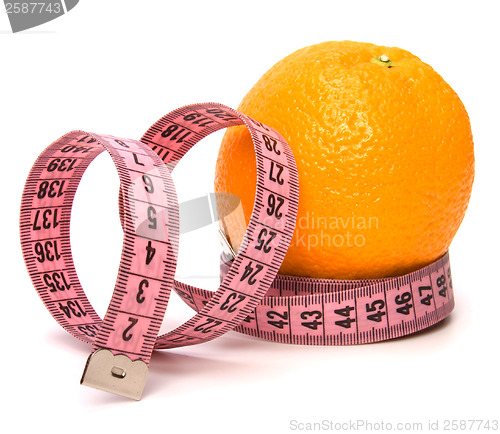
[326, 312]
[174, 135]
[251, 298]
[51, 276]
[124, 338]
[76, 313]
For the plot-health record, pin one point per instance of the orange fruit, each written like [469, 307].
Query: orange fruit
[384, 152]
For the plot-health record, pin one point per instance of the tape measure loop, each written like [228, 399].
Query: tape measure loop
[253, 270]
[310, 311]
[150, 222]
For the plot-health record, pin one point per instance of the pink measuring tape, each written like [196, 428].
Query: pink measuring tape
[252, 297]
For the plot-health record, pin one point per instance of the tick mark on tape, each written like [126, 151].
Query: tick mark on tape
[118, 372]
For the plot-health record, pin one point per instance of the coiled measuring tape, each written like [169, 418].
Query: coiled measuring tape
[308, 311]
[251, 299]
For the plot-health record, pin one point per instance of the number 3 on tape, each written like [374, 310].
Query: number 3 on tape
[125, 338]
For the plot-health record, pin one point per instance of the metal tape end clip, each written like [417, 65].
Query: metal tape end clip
[116, 374]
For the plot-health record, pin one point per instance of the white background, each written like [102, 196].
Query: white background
[115, 67]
